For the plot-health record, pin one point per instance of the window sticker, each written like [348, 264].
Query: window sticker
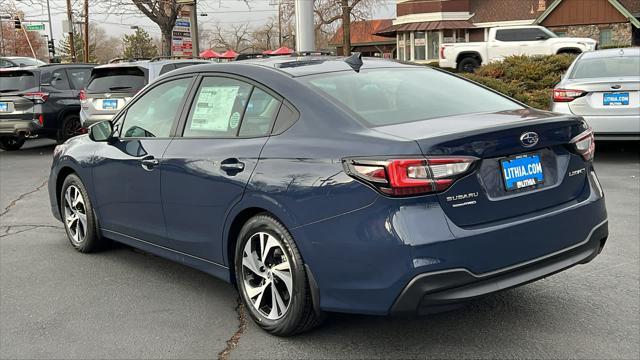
[214, 107]
[234, 120]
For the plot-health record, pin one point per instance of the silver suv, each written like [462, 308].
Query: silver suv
[112, 86]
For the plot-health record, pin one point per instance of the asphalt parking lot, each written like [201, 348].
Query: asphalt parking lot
[122, 303]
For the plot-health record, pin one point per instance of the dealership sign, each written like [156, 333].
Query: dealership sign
[181, 44]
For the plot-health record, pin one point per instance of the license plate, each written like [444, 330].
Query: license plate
[109, 104]
[522, 171]
[615, 99]
[4, 107]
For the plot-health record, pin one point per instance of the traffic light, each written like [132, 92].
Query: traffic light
[52, 47]
[17, 22]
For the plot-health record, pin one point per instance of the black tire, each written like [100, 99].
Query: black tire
[92, 241]
[468, 64]
[69, 128]
[11, 143]
[300, 315]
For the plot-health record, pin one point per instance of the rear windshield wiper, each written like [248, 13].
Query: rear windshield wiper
[120, 88]
[9, 90]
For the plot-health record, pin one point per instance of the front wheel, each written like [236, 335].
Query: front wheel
[271, 278]
[11, 143]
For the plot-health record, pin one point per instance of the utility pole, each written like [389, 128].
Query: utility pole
[346, 28]
[71, 43]
[305, 36]
[195, 37]
[86, 31]
[279, 24]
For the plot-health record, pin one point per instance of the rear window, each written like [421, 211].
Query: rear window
[125, 79]
[606, 67]
[13, 81]
[395, 96]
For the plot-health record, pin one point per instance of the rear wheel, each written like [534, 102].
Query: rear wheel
[11, 143]
[78, 216]
[468, 64]
[70, 128]
[271, 278]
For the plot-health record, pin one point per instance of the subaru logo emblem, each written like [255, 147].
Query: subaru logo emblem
[529, 139]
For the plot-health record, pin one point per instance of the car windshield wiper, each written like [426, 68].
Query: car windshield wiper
[120, 88]
[9, 90]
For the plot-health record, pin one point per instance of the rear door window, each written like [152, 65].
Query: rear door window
[79, 77]
[218, 108]
[124, 79]
[525, 34]
[17, 81]
[259, 115]
[59, 80]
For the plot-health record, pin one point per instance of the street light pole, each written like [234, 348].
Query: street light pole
[195, 37]
[305, 37]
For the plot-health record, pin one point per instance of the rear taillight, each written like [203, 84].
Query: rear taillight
[567, 95]
[442, 52]
[83, 95]
[409, 176]
[41, 120]
[37, 96]
[585, 144]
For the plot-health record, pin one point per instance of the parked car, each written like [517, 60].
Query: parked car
[113, 85]
[40, 102]
[327, 184]
[19, 61]
[507, 41]
[604, 88]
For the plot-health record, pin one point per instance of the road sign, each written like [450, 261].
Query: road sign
[34, 27]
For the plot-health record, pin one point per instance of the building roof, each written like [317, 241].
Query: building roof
[626, 8]
[363, 32]
[427, 26]
[505, 10]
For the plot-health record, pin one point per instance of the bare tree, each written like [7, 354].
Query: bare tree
[161, 12]
[233, 36]
[263, 37]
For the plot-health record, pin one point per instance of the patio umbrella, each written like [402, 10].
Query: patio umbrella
[267, 52]
[229, 54]
[209, 54]
[282, 51]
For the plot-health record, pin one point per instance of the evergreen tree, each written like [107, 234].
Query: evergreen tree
[64, 48]
[139, 45]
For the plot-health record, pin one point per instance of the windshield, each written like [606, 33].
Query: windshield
[27, 61]
[125, 79]
[618, 66]
[14, 81]
[401, 95]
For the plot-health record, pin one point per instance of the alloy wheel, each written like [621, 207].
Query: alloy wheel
[266, 275]
[75, 214]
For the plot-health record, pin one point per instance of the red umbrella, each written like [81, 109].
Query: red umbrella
[229, 54]
[267, 52]
[282, 51]
[208, 54]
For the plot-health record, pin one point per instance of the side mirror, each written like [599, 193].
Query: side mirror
[542, 37]
[101, 132]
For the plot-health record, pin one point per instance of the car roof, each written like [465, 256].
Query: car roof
[632, 52]
[295, 66]
[148, 63]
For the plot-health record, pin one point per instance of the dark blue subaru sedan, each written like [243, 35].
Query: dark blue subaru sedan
[319, 184]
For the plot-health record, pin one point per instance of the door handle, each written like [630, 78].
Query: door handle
[232, 165]
[149, 162]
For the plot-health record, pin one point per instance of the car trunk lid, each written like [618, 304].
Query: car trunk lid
[482, 196]
[606, 96]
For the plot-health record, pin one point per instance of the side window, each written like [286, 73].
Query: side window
[59, 80]
[167, 68]
[261, 111]
[6, 64]
[79, 77]
[217, 108]
[154, 114]
[525, 34]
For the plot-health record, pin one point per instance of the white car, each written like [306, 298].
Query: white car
[604, 88]
[507, 41]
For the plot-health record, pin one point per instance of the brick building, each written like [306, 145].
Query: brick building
[422, 25]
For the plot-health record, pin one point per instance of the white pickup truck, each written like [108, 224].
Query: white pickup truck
[510, 40]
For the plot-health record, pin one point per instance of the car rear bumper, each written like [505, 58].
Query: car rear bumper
[615, 127]
[431, 292]
[88, 120]
[19, 127]
[447, 63]
[365, 260]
